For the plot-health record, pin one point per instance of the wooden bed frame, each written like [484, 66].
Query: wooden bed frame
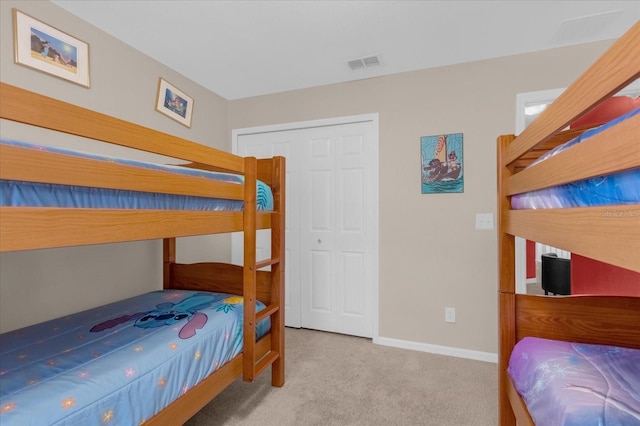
[36, 228]
[591, 232]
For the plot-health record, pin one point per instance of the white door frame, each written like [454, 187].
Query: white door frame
[522, 101]
[374, 119]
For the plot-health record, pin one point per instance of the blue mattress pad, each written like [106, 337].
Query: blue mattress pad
[32, 194]
[612, 189]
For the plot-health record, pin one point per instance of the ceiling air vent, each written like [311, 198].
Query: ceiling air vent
[366, 62]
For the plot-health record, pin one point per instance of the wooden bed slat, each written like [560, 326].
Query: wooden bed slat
[35, 109]
[605, 320]
[51, 167]
[25, 228]
[614, 70]
[586, 231]
[542, 148]
[584, 160]
[214, 276]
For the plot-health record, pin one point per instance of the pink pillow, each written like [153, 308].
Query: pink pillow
[607, 111]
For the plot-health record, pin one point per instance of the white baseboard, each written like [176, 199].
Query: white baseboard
[437, 349]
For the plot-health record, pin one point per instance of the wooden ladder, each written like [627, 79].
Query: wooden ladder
[254, 362]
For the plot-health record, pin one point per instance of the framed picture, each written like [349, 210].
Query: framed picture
[44, 48]
[442, 168]
[174, 103]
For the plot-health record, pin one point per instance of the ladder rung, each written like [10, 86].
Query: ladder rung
[265, 362]
[269, 310]
[267, 262]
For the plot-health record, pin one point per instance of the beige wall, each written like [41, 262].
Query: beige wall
[42, 284]
[430, 254]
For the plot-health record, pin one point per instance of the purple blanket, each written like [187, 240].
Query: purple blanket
[573, 384]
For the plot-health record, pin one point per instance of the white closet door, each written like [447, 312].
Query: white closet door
[329, 282]
[317, 234]
[354, 228]
[336, 230]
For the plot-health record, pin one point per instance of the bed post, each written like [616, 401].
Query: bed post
[249, 269]
[506, 289]
[277, 270]
[169, 258]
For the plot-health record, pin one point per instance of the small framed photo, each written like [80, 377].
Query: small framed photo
[47, 49]
[174, 103]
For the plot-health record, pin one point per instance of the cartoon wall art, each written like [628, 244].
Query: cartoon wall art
[442, 168]
[47, 49]
[174, 103]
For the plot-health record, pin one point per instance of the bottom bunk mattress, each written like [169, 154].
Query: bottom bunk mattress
[120, 363]
[573, 384]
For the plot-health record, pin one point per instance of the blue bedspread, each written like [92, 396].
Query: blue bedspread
[28, 194]
[120, 363]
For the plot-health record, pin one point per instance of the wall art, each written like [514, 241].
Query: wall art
[47, 49]
[442, 168]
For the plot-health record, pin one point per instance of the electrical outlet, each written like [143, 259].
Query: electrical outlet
[484, 221]
[449, 314]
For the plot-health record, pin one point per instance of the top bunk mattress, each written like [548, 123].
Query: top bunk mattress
[120, 363]
[613, 189]
[33, 194]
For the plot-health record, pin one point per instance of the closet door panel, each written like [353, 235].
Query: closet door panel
[318, 231]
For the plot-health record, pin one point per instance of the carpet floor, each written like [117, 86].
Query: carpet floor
[333, 379]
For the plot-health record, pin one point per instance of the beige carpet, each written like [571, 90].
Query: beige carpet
[333, 379]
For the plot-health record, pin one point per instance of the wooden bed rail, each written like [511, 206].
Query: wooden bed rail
[56, 168]
[26, 228]
[582, 161]
[601, 320]
[583, 230]
[32, 108]
[614, 70]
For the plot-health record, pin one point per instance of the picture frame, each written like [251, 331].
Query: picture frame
[442, 164]
[47, 49]
[174, 103]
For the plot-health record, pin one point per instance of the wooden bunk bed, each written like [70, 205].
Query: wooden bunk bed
[25, 228]
[588, 231]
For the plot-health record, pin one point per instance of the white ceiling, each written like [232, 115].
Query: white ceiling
[239, 49]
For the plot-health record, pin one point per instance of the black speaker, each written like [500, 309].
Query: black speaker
[556, 274]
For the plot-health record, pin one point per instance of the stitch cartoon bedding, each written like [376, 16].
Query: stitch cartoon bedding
[120, 363]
